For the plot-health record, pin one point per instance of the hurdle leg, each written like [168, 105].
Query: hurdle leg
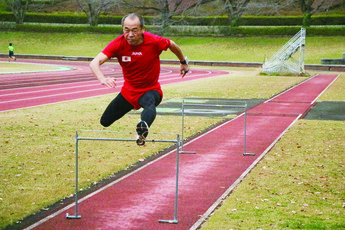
[175, 221]
[245, 134]
[76, 216]
[182, 141]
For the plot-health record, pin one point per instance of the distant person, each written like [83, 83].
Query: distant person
[11, 52]
[138, 53]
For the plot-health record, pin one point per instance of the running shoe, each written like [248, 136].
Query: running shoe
[142, 131]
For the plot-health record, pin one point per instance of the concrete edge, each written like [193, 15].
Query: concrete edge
[317, 67]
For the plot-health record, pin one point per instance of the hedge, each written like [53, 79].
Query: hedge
[254, 31]
[179, 20]
[182, 30]
[46, 28]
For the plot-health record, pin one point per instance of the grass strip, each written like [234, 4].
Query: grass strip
[14, 67]
[236, 49]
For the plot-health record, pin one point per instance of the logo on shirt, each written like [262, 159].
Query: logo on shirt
[126, 58]
[136, 54]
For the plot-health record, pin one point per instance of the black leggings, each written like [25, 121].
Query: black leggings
[120, 106]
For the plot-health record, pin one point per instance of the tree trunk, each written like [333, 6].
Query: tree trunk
[93, 15]
[306, 19]
[19, 9]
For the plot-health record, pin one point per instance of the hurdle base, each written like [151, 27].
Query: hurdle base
[248, 154]
[186, 152]
[72, 217]
[168, 221]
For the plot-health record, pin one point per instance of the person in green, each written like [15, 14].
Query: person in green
[11, 52]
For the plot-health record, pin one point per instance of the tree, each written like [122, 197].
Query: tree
[264, 7]
[93, 8]
[234, 9]
[165, 9]
[19, 8]
[310, 7]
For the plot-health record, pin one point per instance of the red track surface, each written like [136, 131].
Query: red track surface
[23, 90]
[140, 199]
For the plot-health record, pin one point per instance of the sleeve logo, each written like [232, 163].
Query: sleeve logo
[126, 58]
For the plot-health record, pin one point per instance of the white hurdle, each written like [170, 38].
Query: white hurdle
[78, 138]
[243, 105]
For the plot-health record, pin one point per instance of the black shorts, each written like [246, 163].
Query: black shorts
[10, 53]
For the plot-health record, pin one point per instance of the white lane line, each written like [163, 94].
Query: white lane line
[171, 77]
[324, 89]
[52, 95]
[195, 77]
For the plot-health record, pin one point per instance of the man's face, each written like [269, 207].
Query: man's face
[132, 31]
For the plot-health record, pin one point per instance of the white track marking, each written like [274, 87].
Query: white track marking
[325, 89]
[170, 77]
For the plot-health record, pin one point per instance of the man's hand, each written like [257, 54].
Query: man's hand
[108, 81]
[184, 69]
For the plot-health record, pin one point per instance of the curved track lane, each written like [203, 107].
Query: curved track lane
[23, 90]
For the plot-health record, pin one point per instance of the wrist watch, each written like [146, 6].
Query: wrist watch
[185, 62]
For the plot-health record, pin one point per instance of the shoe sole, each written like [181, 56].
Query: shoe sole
[141, 138]
[141, 141]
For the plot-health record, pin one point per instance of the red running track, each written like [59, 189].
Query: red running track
[22, 90]
[140, 199]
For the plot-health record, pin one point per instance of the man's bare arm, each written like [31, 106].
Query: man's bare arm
[178, 52]
[96, 70]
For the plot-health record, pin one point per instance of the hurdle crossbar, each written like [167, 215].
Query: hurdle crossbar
[78, 138]
[243, 105]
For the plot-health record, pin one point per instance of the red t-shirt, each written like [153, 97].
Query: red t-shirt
[140, 64]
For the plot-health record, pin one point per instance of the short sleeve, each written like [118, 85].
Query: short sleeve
[111, 50]
[163, 43]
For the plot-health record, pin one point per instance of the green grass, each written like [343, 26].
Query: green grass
[252, 49]
[23, 67]
[336, 92]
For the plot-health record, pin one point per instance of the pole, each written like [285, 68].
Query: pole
[175, 220]
[245, 134]
[182, 138]
[76, 216]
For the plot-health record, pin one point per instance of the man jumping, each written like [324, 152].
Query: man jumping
[138, 53]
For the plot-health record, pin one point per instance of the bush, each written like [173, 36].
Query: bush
[328, 20]
[68, 29]
[326, 31]
[244, 21]
[7, 17]
[253, 31]
[182, 30]
[262, 20]
[70, 18]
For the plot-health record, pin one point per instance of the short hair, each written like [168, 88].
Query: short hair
[132, 16]
[10, 44]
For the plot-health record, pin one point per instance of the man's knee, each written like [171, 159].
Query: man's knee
[150, 99]
[105, 122]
